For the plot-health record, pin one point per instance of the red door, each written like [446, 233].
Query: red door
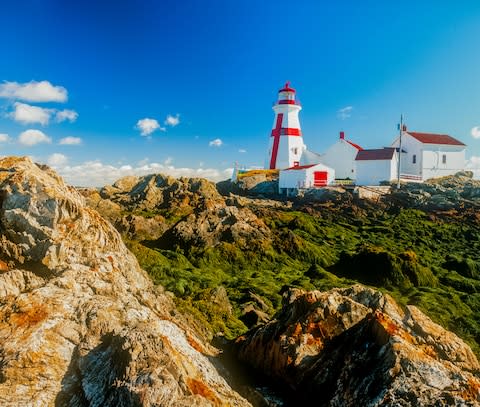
[320, 178]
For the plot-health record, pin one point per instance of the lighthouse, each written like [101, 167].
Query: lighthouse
[286, 142]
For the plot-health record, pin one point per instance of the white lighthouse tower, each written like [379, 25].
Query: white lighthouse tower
[286, 141]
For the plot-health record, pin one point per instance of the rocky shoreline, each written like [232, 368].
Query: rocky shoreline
[82, 324]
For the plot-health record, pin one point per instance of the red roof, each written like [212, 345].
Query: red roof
[354, 145]
[301, 167]
[429, 138]
[376, 154]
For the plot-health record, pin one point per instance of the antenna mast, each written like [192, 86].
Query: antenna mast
[399, 151]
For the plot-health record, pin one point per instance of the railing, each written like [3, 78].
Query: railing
[411, 177]
[344, 182]
[287, 102]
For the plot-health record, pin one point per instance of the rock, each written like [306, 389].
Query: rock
[216, 223]
[444, 193]
[253, 317]
[142, 228]
[109, 210]
[357, 347]
[180, 212]
[157, 191]
[257, 184]
[127, 183]
[80, 322]
[326, 194]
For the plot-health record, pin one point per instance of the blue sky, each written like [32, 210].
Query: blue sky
[84, 74]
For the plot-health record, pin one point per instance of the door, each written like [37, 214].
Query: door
[320, 178]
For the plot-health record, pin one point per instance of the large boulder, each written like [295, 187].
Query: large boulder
[210, 225]
[80, 323]
[357, 347]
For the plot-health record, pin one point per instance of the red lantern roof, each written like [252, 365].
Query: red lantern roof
[287, 88]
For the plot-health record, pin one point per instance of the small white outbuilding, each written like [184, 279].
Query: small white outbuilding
[377, 165]
[305, 176]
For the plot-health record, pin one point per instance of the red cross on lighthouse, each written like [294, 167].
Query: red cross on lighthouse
[276, 132]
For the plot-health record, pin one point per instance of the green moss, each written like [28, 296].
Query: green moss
[429, 261]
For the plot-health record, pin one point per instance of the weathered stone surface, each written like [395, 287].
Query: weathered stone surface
[357, 347]
[80, 323]
[453, 191]
[215, 223]
[195, 212]
[265, 184]
[157, 191]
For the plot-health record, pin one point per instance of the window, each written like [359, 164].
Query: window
[414, 159]
[444, 159]
[295, 151]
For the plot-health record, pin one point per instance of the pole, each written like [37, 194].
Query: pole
[399, 152]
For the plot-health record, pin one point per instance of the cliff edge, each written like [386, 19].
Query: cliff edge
[80, 323]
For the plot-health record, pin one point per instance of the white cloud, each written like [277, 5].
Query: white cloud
[168, 161]
[96, 173]
[345, 112]
[215, 143]
[475, 132]
[242, 150]
[4, 138]
[172, 120]
[70, 141]
[33, 91]
[57, 160]
[27, 114]
[62, 115]
[148, 126]
[473, 164]
[32, 137]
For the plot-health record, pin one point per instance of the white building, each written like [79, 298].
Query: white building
[430, 155]
[305, 176]
[341, 157]
[375, 166]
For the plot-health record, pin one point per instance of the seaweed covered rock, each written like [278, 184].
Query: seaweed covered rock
[80, 322]
[378, 267]
[357, 347]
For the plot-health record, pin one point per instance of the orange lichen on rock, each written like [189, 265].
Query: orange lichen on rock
[194, 344]
[430, 351]
[472, 390]
[315, 328]
[30, 316]
[297, 331]
[3, 266]
[390, 327]
[200, 388]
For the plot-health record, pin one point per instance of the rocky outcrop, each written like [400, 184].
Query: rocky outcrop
[181, 212]
[209, 225]
[80, 323]
[157, 191]
[357, 347]
[445, 193]
[254, 183]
